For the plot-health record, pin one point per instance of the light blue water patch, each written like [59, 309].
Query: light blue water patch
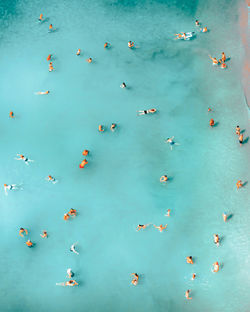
[119, 188]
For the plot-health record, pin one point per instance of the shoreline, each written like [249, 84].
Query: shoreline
[244, 38]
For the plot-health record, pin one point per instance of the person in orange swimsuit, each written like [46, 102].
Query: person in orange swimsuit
[50, 28]
[163, 178]
[161, 227]
[66, 217]
[209, 109]
[215, 62]
[190, 260]
[29, 243]
[241, 138]
[89, 60]
[11, 115]
[23, 231]
[135, 279]
[78, 52]
[100, 128]
[49, 57]
[211, 122]
[216, 267]
[131, 44]
[239, 184]
[72, 212]
[85, 153]
[40, 17]
[204, 29]
[106, 45]
[187, 294]
[44, 235]
[83, 163]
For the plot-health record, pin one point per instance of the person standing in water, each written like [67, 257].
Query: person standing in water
[224, 215]
[163, 178]
[70, 274]
[78, 52]
[113, 127]
[190, 260]
[168, 213]
[216, 240]
[29, 243]
[161, 227]
[44, 235]
[216, 267]
[241, 139]
[123, 85]
[237, 130]
[11, 115]
[187, 294]
[40, 18]
[193, 276]
[215, 62]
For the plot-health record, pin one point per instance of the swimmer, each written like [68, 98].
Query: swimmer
[85, 153]
[168, 213]
[190, 260]
[83, 163]
[72, 212]
[70, 273]
[44, 235]
[141, 226]
[10, 187]
[29, 243]
[161, 227]
[42, 92]
[11, 115]
[135, 279]
[145, 112]
[112, 127]
[237, 130]
[49, 57]
[123, 85]
[171, 142]
[215, 62]
[106, 45]
[25, 159]
[187, 294]
[40, 17]
[72, 249]
[197, 23]
[223, 65]
[50, 28]
[66, 217]
[89, 60]
[78, 52]
[181, 35]
[23, 231]
[51, 179]
[100, 128]
[209, 109]
[163, 178]
[71, 283]
[224, 217]
[131, 44]
[211, 122]
[241, 139]
[239, 184]
[193, 276]
[203, 29]
[216, 267]
[216, 240]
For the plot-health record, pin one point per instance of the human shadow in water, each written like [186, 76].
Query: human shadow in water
[216, 124]
[245, 141]
[244, 184]
[242, 131]
[230, 216]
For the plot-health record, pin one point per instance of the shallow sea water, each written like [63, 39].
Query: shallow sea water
[119, 188]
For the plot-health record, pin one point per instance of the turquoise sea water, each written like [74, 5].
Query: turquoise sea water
[120, 188]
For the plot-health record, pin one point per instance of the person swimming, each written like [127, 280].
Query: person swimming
[49, 57]
[113, 127]
[187, 294]
[141, 226]
[168, 213]
[237, 130]
[85, 153]
[131, 44]
[215, 61]
[209, 109]
[51, 68]
[135, 279]
[42, 92]
[40, 18]
[71, 283]
[171, 142]
[193, 276]
[89, 60]
[50, 28]
[51, 179]
[123, 85]
[72, 212]
[145, 112]
[44, 235]
[239, 184]
[204, 29]
[216, 240]
[78, 52]
[72, 249]
[224, 215]
[107, 45]
[197, 23]
[241, 138]
[11, 115]
[161, 227]
[25, 159]
[23, 231]
[100, 128]
[70, 274]
[10, 187]
[163, 178]
[190, 260]
[66, 217]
